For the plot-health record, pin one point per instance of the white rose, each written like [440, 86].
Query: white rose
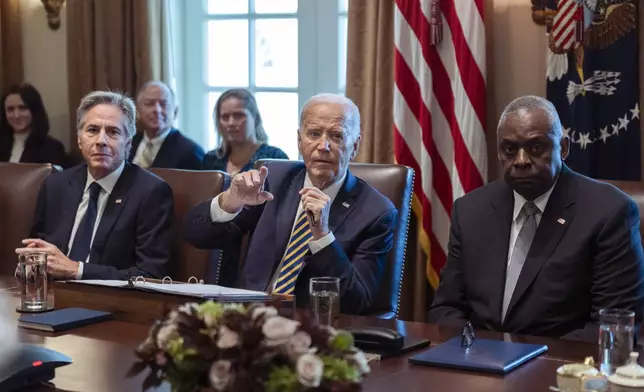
[278, 330]
[227, 338]
[309, 370]
[220, 375]
[360, 360]
[266, 311]
[298, 344]
[188, 307]
[165, 334]
[210, 320]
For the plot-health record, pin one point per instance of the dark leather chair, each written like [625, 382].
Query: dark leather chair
[635, 190]
[396, 182]
[190, 188]
[19, 187]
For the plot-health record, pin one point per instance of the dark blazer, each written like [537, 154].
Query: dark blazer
[361, 219]
[176, 152]
[47, 150]
[586, 255]
[212, 162]
[135, 232]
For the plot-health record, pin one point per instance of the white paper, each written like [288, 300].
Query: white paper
[199, 290]
[98, 282]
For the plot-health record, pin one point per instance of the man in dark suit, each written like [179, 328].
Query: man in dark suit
[104, 219]
[159, 144]
[544, 250]
[308, 219]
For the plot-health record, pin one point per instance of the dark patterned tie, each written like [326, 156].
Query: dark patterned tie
[83, 239]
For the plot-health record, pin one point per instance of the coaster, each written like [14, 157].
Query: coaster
[21, 310]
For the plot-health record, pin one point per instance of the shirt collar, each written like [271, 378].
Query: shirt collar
[109, 181]
[331, 190]
[540, 201]
[158, 140]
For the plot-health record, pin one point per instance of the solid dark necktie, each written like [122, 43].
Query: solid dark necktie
[83, 239]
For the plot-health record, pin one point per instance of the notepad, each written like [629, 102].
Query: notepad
[486, 356]
[63, 319]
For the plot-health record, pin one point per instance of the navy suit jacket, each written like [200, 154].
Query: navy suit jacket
[361, 219]
[134, 235]
[586, 255]
[176, 152]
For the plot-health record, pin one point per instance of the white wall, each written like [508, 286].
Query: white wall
[45, 64]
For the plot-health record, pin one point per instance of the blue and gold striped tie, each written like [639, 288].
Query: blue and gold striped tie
[294, 258]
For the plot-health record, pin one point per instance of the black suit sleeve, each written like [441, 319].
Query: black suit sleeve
[450, 305]
[201, 232]
[617, 270]
[38, 228]
[361, 275]
[153, 240]
[193, 159]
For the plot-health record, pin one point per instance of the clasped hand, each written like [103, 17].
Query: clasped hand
[247, 188]
[59, 266]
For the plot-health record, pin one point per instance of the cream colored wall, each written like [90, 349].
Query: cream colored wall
[516, 61]
[45, 64]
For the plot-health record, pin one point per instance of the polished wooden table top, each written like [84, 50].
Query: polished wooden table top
[103, 353]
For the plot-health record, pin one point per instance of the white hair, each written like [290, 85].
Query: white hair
[161, 85]
[530, 102]
[119, 100]
[352, 113]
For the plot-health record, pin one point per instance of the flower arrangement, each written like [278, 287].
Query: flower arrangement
[228, 347]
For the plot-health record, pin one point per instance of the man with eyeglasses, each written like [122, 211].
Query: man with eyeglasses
[105, 218]
[307, 219]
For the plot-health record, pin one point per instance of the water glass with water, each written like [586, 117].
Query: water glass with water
[324, 295]
[32, 279]
[615, 338]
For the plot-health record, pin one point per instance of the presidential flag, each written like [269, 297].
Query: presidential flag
[593, 81]
[439, 110]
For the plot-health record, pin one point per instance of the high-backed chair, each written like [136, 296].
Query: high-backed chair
[190, 188]
[396, 182]
[635, 189]
[19, 187]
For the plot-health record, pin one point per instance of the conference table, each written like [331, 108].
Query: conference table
[103, 353]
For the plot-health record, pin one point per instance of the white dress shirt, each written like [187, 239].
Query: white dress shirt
[157, 142]
[107, 184]
[518, 218]
[19, 140]
[219, 215]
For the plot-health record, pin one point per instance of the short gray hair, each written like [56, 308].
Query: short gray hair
[121, 101]
[160, 84]
[529, 103]
[352, 120]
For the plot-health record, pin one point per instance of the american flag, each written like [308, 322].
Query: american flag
[439, 110]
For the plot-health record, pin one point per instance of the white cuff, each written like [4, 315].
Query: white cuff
[322, 243]
[79, 273]
[217, 214]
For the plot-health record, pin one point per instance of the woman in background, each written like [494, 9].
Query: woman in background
[24, 129]
[240, 134]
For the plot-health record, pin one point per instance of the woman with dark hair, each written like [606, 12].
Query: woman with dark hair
[24, 129]
[240, 134]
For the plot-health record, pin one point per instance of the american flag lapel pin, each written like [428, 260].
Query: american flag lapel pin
[345, 204]
[118, 201]
[561, 221]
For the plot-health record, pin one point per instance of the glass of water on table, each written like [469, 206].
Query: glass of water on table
[616, 328]
[324, 293]
[32, 279]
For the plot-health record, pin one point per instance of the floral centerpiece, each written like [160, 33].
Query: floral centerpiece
[228, 347]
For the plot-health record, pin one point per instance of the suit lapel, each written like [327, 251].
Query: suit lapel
[165, 155]
[136, 140]
[496, 236]
[70, 204]
[115, 204]
[554, 222]
[286, 213]
[343, 202]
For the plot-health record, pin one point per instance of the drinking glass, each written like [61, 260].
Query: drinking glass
[615, 338]
[324, 295]
[32, 279]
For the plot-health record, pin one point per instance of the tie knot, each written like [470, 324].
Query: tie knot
[529, 208]
[149, 145]
[94, 190]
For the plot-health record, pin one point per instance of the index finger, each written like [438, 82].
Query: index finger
[35, 242]
[263, 173]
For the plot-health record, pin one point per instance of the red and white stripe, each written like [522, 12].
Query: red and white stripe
[439, 110]
[564, 25]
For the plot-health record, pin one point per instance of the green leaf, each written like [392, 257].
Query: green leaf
[336, 369]
[282, 379]
[343, 341]
[211, 308]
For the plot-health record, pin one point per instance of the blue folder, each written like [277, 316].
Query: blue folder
[486, 356]
[63, 319]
